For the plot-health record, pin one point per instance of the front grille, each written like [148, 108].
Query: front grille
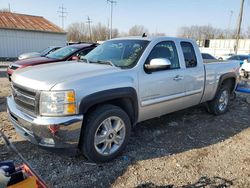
[25, 98]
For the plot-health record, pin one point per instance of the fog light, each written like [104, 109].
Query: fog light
[47, 141]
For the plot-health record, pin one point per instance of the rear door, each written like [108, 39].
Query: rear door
[162, 91]
[194, 74]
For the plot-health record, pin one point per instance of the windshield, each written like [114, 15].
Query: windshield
[62, 52]
[45, 51]
[120, 53]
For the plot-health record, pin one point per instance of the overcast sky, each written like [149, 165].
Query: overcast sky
[157, 15]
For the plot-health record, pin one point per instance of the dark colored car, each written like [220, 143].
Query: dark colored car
[207, 56]
[67, 53]
[42, 53]
[239, 58]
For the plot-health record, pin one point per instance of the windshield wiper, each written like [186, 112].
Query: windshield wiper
[85, 60]
[105, 62]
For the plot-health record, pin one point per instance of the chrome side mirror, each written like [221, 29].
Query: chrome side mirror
[158, 64]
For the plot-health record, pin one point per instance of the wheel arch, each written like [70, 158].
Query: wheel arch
[228, 79]
[125, 98]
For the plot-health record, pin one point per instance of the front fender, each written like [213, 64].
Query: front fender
[118, 94]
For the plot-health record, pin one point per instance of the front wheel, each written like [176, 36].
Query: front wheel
[105, 133]
[219, 105]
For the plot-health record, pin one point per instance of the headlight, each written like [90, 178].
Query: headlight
[57, 103]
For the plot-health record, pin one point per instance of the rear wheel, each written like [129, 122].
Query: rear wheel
[105, 134]
[219, 105]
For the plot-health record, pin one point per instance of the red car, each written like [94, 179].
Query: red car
[67, 53]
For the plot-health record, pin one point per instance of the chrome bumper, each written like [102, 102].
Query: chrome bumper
[58, 132]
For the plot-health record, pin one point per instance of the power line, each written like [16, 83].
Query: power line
[89, 22]
[112, 2]
[62, 14]
[239, 26]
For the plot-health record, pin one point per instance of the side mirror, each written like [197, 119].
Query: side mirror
[158, 64]
[75, 58]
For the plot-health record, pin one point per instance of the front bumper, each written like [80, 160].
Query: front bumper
[57, 132]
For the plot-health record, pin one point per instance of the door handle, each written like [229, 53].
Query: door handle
[178, 78]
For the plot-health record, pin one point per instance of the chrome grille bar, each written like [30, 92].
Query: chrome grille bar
[25, 98]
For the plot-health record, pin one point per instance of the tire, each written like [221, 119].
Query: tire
[109, 125]
[219, 105]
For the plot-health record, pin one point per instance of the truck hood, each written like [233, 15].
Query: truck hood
[34, 61]
[44, 77]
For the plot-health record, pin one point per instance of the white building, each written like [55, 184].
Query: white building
[223, 47]
[20, 33]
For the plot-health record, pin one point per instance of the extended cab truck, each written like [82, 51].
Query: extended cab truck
[93, 105]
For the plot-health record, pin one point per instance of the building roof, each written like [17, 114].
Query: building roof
[9, 20]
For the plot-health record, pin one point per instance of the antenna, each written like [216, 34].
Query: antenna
[89, 22]
[62, 14]
[111, 16]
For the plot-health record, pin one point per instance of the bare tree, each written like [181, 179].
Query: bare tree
[4, 10]
[201, 32]
[115, 33]
[77, 32]
[100, 32]
[248, 33]
[137, 30]
[158, 34]
[208, 32]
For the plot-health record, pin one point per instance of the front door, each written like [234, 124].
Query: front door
[162, 91]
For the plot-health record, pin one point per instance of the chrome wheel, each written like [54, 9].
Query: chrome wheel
[109, 135]
[223, 101]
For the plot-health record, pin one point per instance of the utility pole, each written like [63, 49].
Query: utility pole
[9, 7]
[111, 16]
[239, 26]
[62, 14]
[89, 22]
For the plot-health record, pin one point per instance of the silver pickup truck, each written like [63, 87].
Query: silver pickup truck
[93, 104]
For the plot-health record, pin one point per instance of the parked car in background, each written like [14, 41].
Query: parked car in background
[67, 53]
[224, 56]
[208, 58]
[42, 53]
[245, 69]
[94, 105]
[239, 58]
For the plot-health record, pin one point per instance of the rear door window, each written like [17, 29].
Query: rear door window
[189, 54]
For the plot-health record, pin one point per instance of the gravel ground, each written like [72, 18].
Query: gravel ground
[189, 148]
